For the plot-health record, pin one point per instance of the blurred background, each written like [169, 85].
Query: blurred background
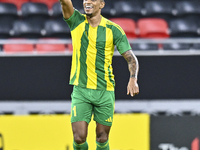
[35, 61]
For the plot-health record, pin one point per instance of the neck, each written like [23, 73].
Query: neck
[94, 21]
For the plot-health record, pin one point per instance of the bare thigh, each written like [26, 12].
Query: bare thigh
[80, 130]
[102, 132]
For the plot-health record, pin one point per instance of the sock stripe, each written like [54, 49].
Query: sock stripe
[106, 143]
[78, 145]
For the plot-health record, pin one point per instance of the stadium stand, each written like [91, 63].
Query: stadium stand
[128, 25]
[8, 14]
[152, 28]
[144, 46]
[158, 9]
[195, 46]
[56, 10]
[128, 9]
[108, 11]
[26, 29]
[77, 5]
[49, 3]
[187, 8]
[186, 27]
[56, 28]
[50, 48]
[139, 19]
[36, 13]
[8, 10]
[176, 46]
[5, 28]
[70, 47]
[18, 3]
[18, 48]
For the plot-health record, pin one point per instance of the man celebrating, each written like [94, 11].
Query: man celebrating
[93, 39]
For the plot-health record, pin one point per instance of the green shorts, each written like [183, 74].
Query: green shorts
[87, 101]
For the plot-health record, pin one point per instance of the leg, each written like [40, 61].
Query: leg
[80, 129]
[102, 134]
[103, 115]
[81, 112]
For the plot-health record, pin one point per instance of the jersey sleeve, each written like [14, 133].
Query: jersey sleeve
[120, 40]
[74, 20]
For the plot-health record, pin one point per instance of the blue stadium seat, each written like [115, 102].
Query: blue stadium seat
[8, 9]
[128, 9]
[57, 10]
[176, 46]
[35, 12]
[188, 8]
[57, 28]
[5, 28]
[26, 29]
[8, 14]
[144, 46]
[183, 28]
[195, 46]
[158, 9]
[78, 5]
[108, 10]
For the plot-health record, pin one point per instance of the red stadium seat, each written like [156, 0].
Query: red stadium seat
[152, 28]
[128, 25]
[18, 48]
[18, 3]
[49, 3]
[50, 48]
[70, 47]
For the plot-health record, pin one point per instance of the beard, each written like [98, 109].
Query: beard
[89, 15]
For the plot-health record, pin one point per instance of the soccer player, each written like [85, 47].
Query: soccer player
[93, 39]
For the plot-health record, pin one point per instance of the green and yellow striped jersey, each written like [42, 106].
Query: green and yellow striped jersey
[93, 49]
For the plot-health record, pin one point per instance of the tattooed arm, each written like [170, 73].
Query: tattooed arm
[133, 67]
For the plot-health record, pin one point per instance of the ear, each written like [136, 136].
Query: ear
[102, 4]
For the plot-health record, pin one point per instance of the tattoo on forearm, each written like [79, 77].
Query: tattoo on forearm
[132, 76]
[132, 61]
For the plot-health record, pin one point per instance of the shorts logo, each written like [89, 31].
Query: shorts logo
[109, 120]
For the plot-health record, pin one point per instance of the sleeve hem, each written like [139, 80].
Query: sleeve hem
[124, 51]
[69, 17]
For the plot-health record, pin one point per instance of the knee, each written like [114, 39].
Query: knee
[79, 138]
[102, 137]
